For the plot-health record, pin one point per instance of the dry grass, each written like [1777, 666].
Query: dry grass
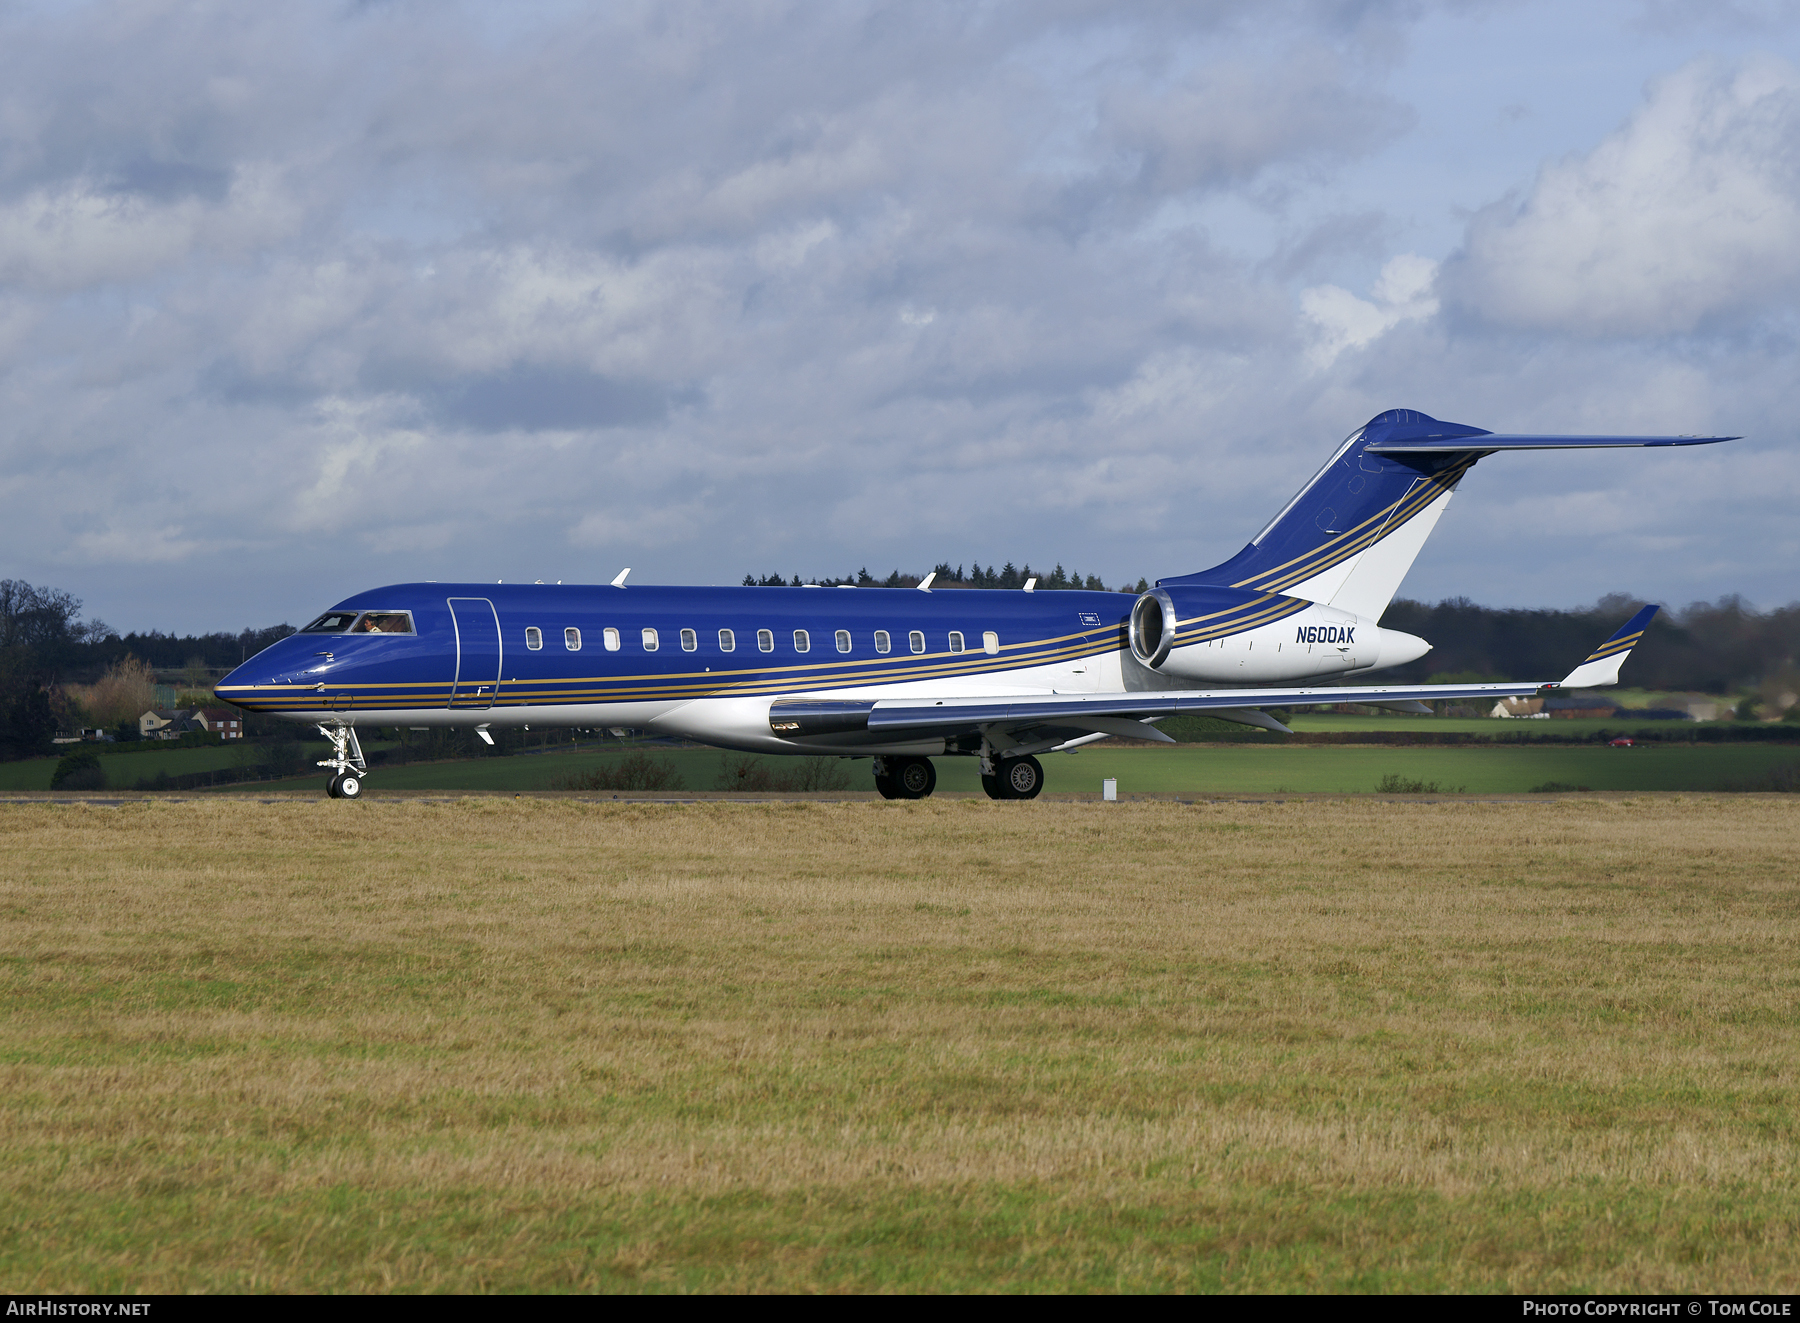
[541, 1045]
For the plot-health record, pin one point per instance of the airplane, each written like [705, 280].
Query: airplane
[905, 675]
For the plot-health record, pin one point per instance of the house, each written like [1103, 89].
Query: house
[1577, 707]
[228, 725]
[1519, 707]
[168, 723]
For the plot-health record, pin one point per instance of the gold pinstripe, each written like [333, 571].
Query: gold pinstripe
[1615, 646]
[1237, 624]
[1416, 499]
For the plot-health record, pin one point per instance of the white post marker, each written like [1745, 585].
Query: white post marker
[1109, 790]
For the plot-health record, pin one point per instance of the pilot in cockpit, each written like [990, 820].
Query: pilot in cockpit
[374, 622]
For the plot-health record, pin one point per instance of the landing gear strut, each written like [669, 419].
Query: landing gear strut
[346, 762]
[905, 778]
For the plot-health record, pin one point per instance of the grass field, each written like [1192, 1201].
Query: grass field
[541, 1045]
[1198, 769]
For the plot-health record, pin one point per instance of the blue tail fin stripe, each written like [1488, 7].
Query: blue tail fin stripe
[1417, 499]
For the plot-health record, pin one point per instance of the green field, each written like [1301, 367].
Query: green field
[122, 770]
[1197, 769]
[1202, 769]
[523, 1045]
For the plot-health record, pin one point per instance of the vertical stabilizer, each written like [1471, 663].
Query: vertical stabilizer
[1350, 535]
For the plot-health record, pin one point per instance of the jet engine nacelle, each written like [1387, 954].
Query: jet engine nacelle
[1213, 635]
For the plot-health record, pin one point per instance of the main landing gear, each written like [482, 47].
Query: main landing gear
[905, 778]
[915, 778]
[1013, 778]
[346, 763]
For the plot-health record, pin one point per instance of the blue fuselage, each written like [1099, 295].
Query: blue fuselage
[471, 646]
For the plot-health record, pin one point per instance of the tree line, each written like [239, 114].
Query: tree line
[1005, 576]
[1708, 647]
[54, 664]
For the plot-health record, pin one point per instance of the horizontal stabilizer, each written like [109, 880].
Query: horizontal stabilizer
[1602, 665]
[1473, 440]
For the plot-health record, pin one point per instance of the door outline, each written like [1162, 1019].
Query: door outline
[484, 691]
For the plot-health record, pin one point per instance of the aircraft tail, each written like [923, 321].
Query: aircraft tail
[1349, 536]
[1602, 664]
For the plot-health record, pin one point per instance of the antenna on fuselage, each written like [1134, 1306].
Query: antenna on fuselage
[925, 583]
[619, 582]
[1030, 585]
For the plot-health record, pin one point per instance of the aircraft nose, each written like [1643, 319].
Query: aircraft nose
[252, 683]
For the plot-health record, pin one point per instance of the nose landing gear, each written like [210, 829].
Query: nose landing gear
[346, 762]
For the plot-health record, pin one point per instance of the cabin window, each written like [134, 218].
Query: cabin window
[534, 637]
[843, 640]
[650, 644]
[572, 639]
[332, 622]
[690, 641]
[802, 641]
[916, 641]
[765, 640]
[727, 641]
[384, 622]
[611, 636]
[956, 640]
[990, 643]
[884, 642]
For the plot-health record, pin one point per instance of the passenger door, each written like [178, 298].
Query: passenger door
[477, 652]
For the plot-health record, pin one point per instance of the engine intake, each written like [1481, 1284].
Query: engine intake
[1153, 627]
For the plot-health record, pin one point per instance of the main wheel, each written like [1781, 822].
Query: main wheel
[1021, 778]
[991, 783]
[886, 787]
[916, 777]
[334, 786]
[349, 786]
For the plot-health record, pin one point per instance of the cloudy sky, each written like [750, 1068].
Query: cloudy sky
[299, 299]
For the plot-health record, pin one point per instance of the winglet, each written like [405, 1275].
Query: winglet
[925, 583]
[619, 581]
[1602, 665]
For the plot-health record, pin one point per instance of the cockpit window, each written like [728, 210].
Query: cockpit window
[384, 622]
[332, 622]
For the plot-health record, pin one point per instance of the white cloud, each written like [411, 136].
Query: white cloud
[1689, 214]
[1401, 293]
[363, 293]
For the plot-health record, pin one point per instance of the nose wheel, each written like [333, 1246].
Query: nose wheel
[347, 764]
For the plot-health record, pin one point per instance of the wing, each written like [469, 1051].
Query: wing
[1043, 723]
